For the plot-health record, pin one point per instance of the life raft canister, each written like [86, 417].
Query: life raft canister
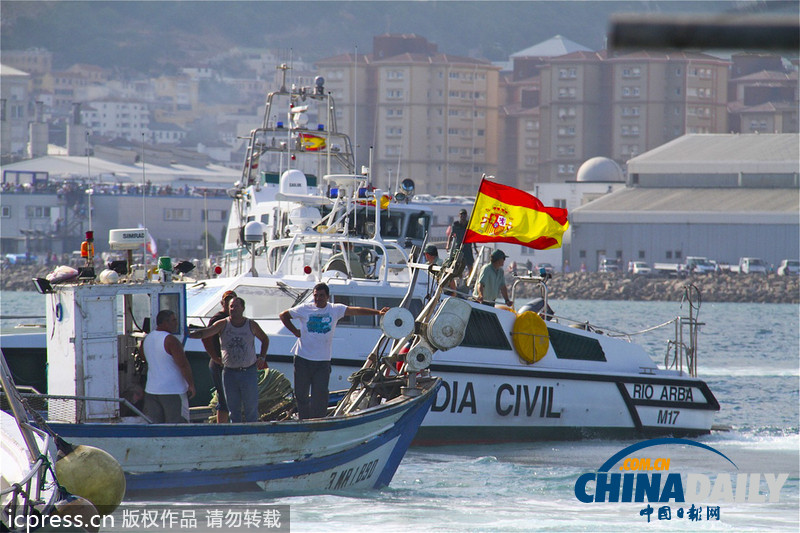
[530, 336]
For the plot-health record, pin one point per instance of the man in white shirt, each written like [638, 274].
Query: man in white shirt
[312, 350]
[169, 376]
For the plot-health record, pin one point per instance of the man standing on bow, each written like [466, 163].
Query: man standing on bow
[212, 346]
[237, 336]
[312, 350]
[491, 281]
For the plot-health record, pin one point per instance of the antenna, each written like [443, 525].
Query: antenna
[90, 190]
[355, 108]
[205, 208]
[144, 233]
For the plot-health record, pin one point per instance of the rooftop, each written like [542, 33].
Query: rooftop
[722, 153]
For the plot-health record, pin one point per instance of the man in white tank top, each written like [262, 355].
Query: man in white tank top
[169, 376]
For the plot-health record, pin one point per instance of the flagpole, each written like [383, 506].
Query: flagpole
[469, 223]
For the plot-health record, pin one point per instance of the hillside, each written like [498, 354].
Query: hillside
[160, 36]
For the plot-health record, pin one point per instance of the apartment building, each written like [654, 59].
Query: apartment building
[428, 116]
[574, 120]
[520, 111]
[114, 117]
[14, 108]
[617, 107]
[764, 102]
[31, 60]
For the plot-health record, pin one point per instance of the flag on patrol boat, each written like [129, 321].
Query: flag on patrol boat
[505, 214]
[311, 142]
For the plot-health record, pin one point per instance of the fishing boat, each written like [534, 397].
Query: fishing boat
[289, 230]
[93, 368]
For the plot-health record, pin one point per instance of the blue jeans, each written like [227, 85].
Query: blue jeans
[313, 375]
[241, 393]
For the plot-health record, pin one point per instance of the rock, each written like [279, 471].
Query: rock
[714, 288]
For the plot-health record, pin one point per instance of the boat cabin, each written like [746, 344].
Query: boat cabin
[93, 332]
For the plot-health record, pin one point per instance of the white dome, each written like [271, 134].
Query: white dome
[600, 169]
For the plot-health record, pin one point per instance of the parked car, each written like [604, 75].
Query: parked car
[21, 259]
[789, 267]
[608, 265]
[752, 265]
[699, 265]
[548, 268]
[640, 268]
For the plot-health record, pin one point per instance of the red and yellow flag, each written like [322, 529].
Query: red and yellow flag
[505, 214]
[311, 142]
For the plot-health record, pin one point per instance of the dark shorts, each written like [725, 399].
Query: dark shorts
[166, 408]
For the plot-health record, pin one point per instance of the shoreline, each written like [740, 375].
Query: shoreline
[720, 287]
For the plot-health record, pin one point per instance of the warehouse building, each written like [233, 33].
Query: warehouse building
[718, 196]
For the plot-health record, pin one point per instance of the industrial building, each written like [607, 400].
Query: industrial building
[713, 195]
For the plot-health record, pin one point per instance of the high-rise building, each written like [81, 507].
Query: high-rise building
[563, 104]
[428, 116]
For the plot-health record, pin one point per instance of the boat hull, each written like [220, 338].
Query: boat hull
[360, 451]
[492, 403]
[520, 403]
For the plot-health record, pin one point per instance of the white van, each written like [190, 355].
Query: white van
[752, 265]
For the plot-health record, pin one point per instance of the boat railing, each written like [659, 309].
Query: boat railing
[682, 349]
[56, 405]
[26, 496]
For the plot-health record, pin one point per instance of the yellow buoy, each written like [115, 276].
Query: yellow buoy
[531, 339]
[93, 474]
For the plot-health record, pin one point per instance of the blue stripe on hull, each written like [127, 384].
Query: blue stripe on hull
[404, 430]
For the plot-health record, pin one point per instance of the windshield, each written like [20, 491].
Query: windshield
[260, 302]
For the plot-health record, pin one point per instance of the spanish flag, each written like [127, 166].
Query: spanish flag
[311, 142]
[505, 214]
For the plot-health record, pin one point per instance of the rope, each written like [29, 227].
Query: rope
[667, 323]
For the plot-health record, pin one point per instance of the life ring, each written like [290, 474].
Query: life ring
[530, 336]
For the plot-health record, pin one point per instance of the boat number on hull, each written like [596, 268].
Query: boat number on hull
[667, 417]
[510, 400]
[341, 479]
[670, 393]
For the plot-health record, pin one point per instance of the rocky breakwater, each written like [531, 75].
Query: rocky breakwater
[723, 287]
[18, 277]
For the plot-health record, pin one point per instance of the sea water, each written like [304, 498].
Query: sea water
[749, 355]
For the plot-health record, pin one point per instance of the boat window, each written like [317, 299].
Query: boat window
[418, 225]
[415, 306]
[380, 303]
[391, 224]
[573, 346]
[484, 331]
[265, 302]
[356, 301]
[171, 301]
[139, 310]
[198, 297]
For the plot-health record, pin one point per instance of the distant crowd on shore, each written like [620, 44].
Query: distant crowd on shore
[66, 188]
